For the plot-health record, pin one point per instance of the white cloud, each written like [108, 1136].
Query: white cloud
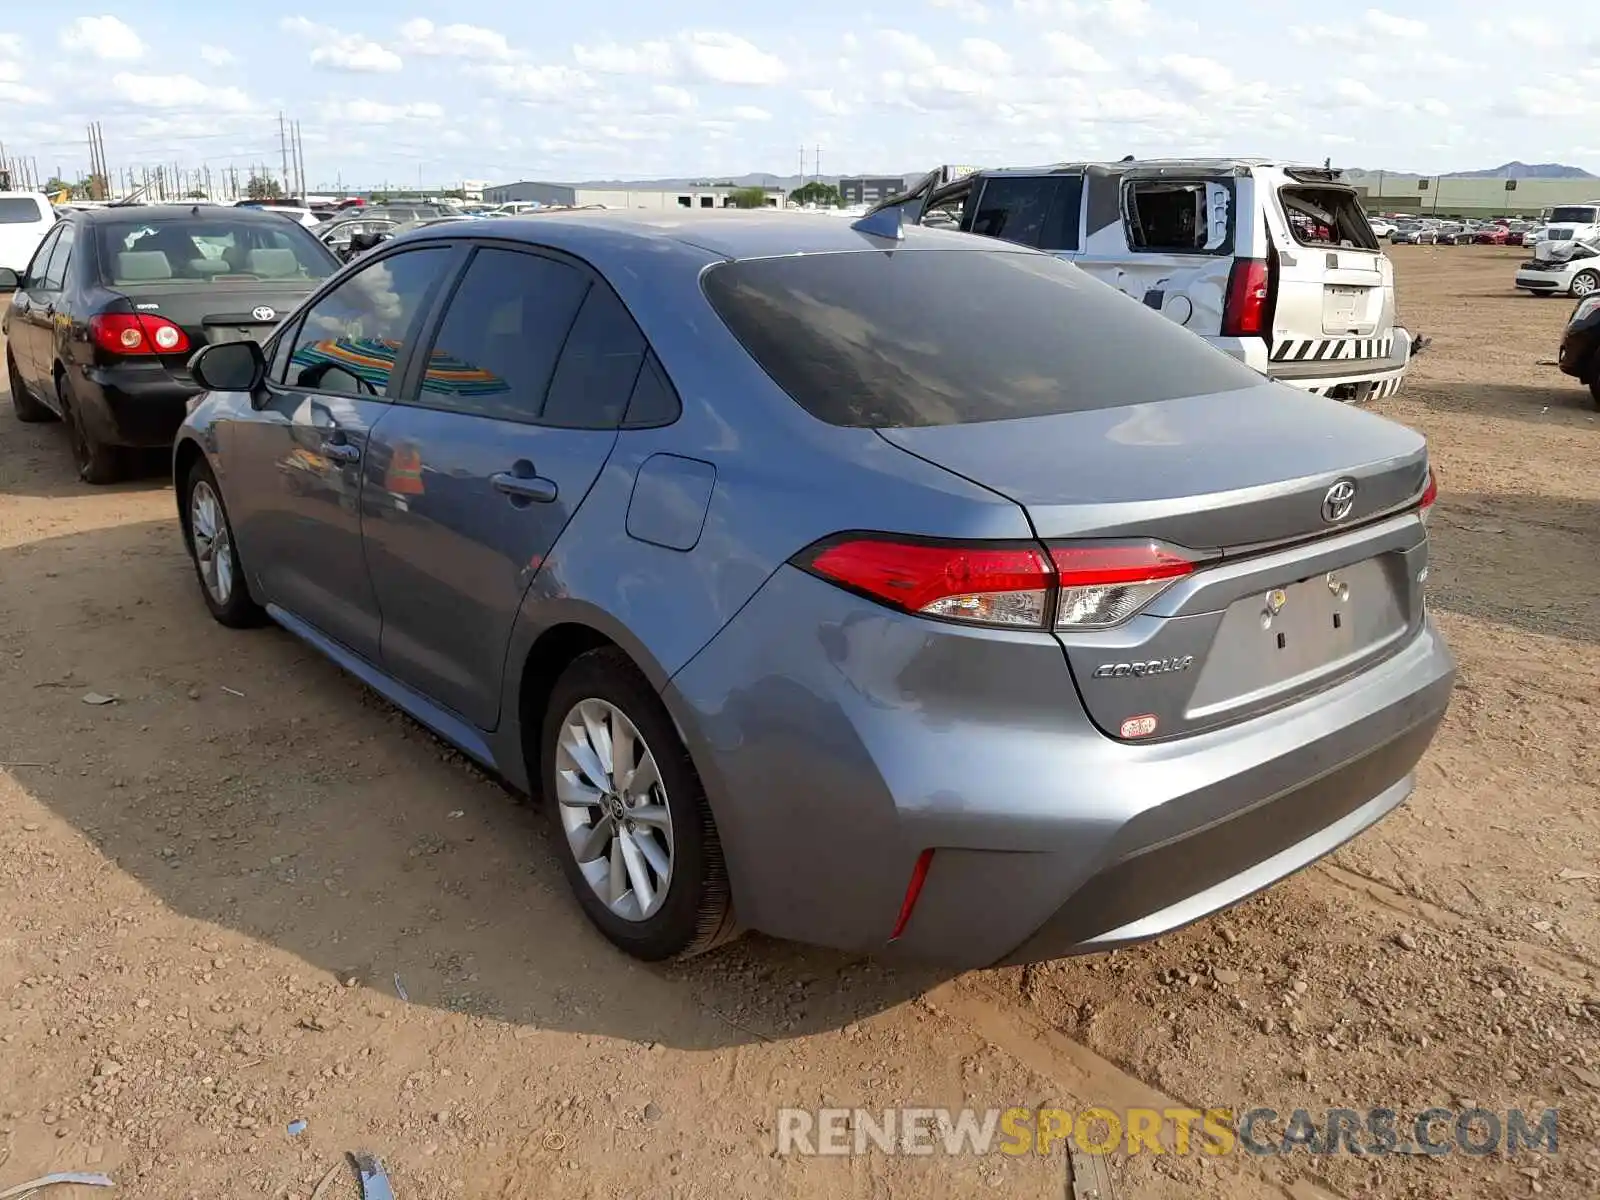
[1393, 26]
[672, 97]
[965, 10]
[1073, 54]
[538, 83]
[727, 58]
[105, 38]
[1354, 92]
[421, 36]
[373, 112]
[1434, 108]
[177, 92]
[611, 58]
[357, 55]
[1326, 35]
[985, 55]
[14, 92]
[824, 100]
[1126, 16]
[216, 56]
[11, 45]
[306, 28]
[1205, 74]
[749, 112]
[908, 48]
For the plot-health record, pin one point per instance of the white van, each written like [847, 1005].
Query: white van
[1273, 263]
[25, 217]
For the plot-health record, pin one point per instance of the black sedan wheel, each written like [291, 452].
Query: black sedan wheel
[97, 462]
[23, 402]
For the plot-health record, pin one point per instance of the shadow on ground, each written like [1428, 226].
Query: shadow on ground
[248, 783]
[1561, 404]
[38, 461]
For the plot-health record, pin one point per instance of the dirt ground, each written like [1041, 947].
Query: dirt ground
[215, 888]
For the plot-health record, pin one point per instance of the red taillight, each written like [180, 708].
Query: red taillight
[994, 585]
[1244, 313]
[1430, 493]
[1087, 585]
[919, 876]
[136, 333]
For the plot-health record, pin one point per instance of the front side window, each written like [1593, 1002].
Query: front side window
[351, 340]
[1014, 208]
[55, 275]
[498, 344]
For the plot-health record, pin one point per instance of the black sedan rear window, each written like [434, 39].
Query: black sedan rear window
[889, 340]
[209, 248]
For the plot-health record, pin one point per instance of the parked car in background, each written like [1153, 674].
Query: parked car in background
[25, 218]
[1492, 235]
[516, 208]
[1272, 263]
[115, 301]
[1579, 355]
[1381, 228]
[1019, 656]
[1572, 268]
[1532, 236]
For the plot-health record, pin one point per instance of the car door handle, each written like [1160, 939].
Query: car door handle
[342, 452]
[525, 487]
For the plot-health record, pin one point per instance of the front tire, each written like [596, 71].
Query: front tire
[214, 553]
[97, 462]
[1594, 389]
[22, 401]
[632, 825]
[1584, 283]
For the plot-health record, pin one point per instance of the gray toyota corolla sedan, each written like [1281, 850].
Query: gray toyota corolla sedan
[906, 593]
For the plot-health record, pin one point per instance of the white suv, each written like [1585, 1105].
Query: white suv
[25, 217]
[1273, 263]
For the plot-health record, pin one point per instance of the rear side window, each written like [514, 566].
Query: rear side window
[55, 275]
[20, 210]
[914, 338]
[655, 400]
[598, 366]
[502, 334]
[1039, 211]
[1175, 216]
[1327, 217]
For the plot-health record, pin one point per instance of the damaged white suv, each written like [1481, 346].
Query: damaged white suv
[1274, 263]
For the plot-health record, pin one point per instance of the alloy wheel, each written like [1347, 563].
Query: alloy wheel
[614, 809]
[1585, 284]
[213, 548]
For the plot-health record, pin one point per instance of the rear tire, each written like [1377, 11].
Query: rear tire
[97, 462]
[23, 402]
[629, 832]
[1594, 389]
[215, 555]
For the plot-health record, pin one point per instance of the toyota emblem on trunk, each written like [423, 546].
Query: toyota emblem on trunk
[264, 313]
[1338, 501]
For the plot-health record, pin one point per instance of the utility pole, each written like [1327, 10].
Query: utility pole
[283, 148]
[818, 175]
[299, 164]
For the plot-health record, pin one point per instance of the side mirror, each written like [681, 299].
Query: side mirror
[10, 281]
[229, 367]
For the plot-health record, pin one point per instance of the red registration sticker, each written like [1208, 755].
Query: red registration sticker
[1138, 727]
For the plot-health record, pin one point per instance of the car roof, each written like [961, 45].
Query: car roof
[728, 235]
[177, 212]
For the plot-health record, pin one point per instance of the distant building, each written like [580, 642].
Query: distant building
[1478, 197]
[620, 197]
[869, 190]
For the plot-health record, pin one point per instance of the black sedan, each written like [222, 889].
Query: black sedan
[105, 317]
[1580, 346]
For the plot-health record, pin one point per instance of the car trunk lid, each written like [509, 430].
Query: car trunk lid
[219, 312]
[1297, 510]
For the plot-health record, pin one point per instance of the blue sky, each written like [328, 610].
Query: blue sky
[387, 93]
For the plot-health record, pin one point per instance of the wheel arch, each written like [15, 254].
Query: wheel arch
[185, 454]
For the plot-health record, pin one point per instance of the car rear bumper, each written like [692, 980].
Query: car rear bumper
[836, 754]
[1352, 379]
[134, 404]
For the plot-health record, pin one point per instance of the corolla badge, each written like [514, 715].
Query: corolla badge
[1339, 501]
[264, 313]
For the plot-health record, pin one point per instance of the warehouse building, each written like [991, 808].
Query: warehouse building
[868, 189]
[1433, 196]
[695, 198]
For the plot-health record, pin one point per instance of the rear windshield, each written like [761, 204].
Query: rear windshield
[1327, 216]
[1577, 214]
[208, 249]
[19, 210]
[926, 337]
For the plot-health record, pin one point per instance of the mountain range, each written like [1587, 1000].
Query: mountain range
[1510, 170]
